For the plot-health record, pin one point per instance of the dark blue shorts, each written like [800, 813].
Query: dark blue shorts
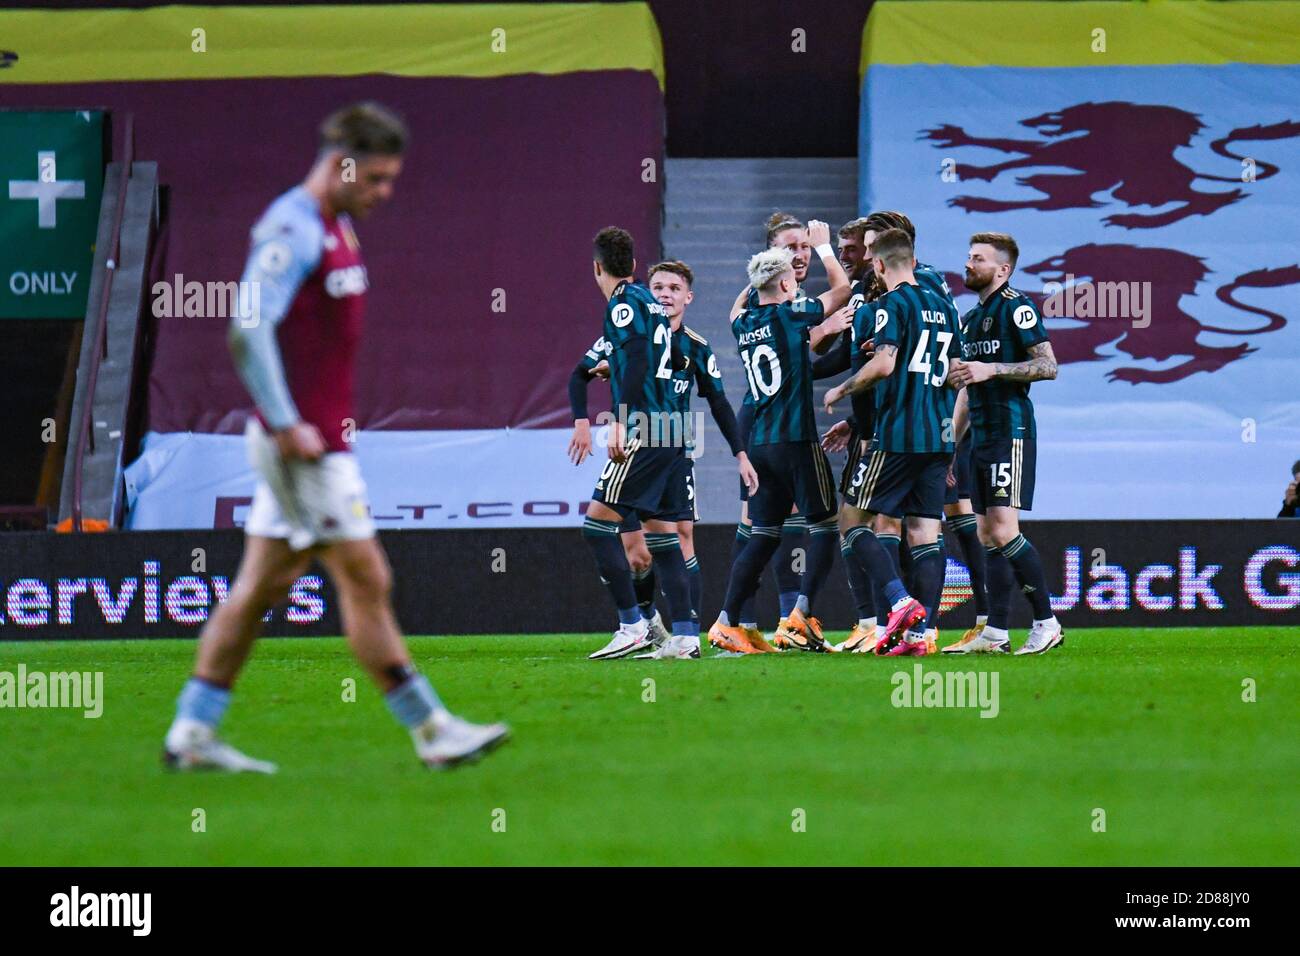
[643, 484]
[855, 452]
[683, 484]
[1003, 474]
[791, 473]
[899, 483]
[744, 425]
[962, 469]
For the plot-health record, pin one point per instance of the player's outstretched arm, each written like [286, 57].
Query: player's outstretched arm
[837, 296]
[828, 331]
[837, 359]
[738, 306]
[881, 366]
[1040, 366]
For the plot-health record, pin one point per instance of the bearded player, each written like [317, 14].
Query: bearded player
[296, 357]
[1007, 349]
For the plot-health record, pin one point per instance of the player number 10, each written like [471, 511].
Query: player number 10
[759, 384]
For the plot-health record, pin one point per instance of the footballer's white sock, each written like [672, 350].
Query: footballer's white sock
[1049, 622]
[866, 622]
[981, 620]
[995, 633]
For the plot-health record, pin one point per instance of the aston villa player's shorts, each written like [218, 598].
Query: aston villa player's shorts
[1003, 474]
[305, 503]
[791, 473]
[648, 482]
[962, 470]
[898, 483]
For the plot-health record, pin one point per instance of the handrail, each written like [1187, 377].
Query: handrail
[85, 430]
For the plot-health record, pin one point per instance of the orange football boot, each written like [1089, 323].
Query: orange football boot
[805, 633]
[758, 642]
[861, 640]
[729, 638]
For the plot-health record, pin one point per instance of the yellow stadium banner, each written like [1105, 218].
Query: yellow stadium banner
[1038, 33]
[195, 43]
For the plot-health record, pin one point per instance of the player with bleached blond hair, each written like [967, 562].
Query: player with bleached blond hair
[772, 334]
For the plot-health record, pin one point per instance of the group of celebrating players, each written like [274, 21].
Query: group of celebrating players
[941, 427]
[919, 377]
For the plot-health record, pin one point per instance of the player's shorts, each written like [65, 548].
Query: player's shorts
[791, 473]
[855, 452]
[744, 425]
[1002, 472]
[630, 523]
[306, 503]
[962, 470]
[681, 489]
[899, 483]
[647, 483]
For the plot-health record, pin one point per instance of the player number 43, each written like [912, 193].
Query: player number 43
[920, 361]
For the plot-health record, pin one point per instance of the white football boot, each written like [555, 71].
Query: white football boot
[445, 740]
[628, 639]
[677, 647]
[191, 745]
[658, 633]
[981, 642]
[1043, 636]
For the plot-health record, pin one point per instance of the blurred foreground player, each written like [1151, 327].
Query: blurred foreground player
[295, 354]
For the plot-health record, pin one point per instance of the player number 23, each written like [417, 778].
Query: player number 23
[664, 337]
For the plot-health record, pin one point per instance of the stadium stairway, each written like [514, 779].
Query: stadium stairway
[114, 409]
[714, 211]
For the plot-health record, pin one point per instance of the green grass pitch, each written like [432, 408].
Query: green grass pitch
[797, 759]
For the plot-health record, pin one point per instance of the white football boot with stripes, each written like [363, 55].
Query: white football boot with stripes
[628, 639]
[191, 745]
[984, 641]
[1043, 636]
[444, 740]
[659, 634]
[678, 647]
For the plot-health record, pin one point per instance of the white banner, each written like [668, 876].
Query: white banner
[425, 479]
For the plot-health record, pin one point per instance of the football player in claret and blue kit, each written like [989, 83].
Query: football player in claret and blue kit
[296, 356]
